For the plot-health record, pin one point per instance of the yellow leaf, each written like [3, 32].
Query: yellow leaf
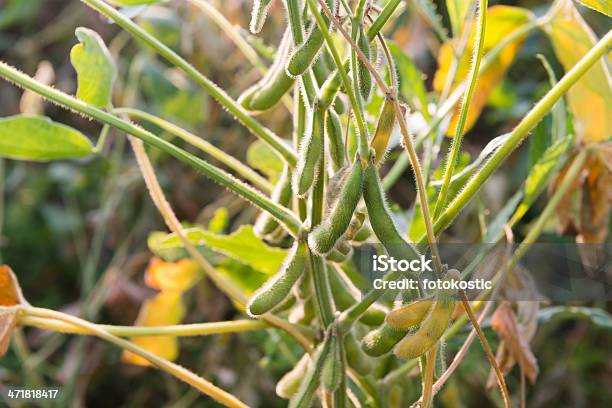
[162, 310]
[590, 99]
[172, 276]
[501, 21]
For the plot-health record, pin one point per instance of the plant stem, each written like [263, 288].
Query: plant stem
[487, 348]
[265, 134]
[286, 217]
[179, 372]
[363, 131]
[202, 144]
[400, 165]
[227, 286]
[195, 329]
[521, 131]
[465, 107]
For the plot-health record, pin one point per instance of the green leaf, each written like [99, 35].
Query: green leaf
[457, 13]
[411, 79]
[219, 221]
[242, 245]
[262, 158]
[244, 276]
[39, 138]
[540, 174]
[95, 68]
[597, 316]
[603, 6]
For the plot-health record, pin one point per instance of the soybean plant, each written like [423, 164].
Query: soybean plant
[330, 204]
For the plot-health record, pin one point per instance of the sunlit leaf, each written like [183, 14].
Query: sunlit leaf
[95, 68]
[603, 6]
[165, 308]
[590, 99]
[501, 21]
[172, 276]
[39, 138]
[457, 13]
[242, 245]
[219, 221]
[262, 158]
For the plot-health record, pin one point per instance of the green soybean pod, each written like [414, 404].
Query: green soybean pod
[410, 315]
[355, 357]
[265, 223]
[333, 366]
[364, 77]
[340, 255]
[380, 341]
[384, 127]
[380, 220]
[309, 153]
[289, 384]
[325, 235]
[259, 14]
[320, 70]
[433, 327]
[335, 140]
[268, 90]
[277, 288]
[276, 83]
[306, 52]
[312, 378]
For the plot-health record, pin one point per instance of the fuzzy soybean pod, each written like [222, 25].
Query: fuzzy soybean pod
[335, 142]
[312, 378]
[355, 357]
[325, 235]
[277, 288]
[333, 366]
[309, 153]
[259, 14]
[380, 341]
[384, 127]
[289, 384]
[432, 328]
[380, 219]
[275, 84]
[305, 53]
[410, 315]
[364, 76]
[265, 223]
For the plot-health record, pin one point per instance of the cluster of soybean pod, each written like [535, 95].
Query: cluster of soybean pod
[343, 192]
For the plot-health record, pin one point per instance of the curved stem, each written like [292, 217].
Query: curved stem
[277, 144]
[181, 330]
[286, 217]
[202, 144]
[176, 370]
[465, 107]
